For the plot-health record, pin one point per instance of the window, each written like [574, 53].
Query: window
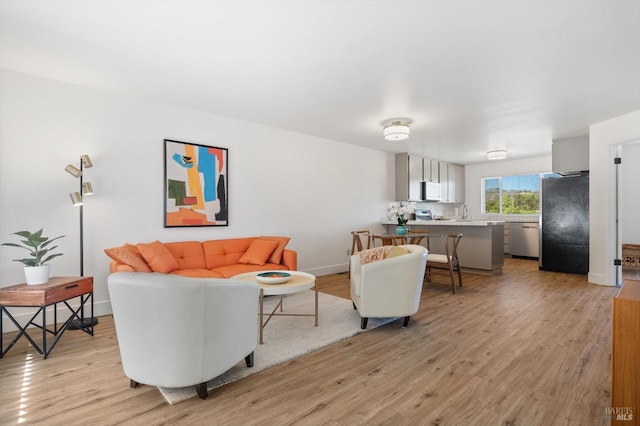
[519, 194]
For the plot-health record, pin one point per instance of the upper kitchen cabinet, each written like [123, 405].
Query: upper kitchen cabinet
[408, 177]
[431, 170]
[414, 178]
[452, 179]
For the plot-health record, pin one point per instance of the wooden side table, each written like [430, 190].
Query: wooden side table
[57, 290]
[625, 355]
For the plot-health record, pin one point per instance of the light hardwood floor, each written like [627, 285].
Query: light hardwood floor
[523, 348]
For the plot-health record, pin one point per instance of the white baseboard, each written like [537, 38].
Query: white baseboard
[599, 279]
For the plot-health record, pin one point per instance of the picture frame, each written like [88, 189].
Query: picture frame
[196, 183]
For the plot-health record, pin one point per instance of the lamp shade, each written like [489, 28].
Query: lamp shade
[396, 131]
[87, 189]
[498, 154]
[86, 161]
[73, 170]
[76, 198]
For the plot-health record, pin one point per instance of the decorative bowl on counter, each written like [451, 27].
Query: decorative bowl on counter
[273, 277]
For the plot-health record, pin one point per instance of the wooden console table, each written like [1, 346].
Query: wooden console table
[625, 356]
[57, 290]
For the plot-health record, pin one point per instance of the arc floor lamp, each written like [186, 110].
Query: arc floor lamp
[77, 198]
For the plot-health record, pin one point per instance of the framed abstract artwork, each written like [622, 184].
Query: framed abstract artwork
[196, 183]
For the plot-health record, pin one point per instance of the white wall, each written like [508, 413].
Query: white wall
[475, 172]
[603, 137]
[629, 212]
[280, 183]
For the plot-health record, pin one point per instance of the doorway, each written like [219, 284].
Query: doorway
[627, 214]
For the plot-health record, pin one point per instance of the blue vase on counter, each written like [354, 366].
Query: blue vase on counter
[401, 230]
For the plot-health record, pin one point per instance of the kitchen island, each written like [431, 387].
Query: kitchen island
[481, 247]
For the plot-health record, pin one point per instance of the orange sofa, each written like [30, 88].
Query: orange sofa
[206, 259]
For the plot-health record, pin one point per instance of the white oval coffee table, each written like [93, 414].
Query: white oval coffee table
[298, 282]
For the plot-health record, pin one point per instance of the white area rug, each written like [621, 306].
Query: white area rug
[287, 337]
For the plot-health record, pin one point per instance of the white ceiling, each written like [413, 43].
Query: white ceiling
[472, 75]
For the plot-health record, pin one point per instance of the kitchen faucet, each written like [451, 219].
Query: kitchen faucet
[465, 211]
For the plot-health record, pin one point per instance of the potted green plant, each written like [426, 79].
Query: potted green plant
[36, 269]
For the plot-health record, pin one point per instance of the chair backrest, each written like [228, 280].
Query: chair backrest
[417, 240]
[356, 245]
[175, 331]
[451, 246]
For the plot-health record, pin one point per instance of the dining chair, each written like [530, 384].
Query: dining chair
[356, 244]
[388, 239]
[417, 239]
[448, 261]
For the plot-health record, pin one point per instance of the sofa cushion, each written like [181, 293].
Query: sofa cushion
[373, 254]
[276, 256]
[259, 252]
[224, 252]
[129, 255]
[188, 254]
[379, 253]
[397, 251]
[158, 257]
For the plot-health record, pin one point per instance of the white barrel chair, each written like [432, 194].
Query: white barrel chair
[175, 331]
[390, 287]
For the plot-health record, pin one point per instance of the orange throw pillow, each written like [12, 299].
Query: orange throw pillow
[158, 257]
[258, 252]
[129, 255]
[276, 256]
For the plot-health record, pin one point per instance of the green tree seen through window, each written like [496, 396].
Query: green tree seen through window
[518, 194]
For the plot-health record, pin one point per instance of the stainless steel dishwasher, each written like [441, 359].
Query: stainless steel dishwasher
[525, 239]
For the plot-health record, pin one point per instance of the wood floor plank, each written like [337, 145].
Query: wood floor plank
[522, 348]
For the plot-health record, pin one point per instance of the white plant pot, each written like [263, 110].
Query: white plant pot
[37, 274]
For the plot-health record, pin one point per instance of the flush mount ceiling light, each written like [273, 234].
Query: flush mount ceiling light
[498, 154]
[396, 131]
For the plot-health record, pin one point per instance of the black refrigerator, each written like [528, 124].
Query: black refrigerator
[564, 231]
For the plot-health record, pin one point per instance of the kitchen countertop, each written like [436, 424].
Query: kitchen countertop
[447, 222]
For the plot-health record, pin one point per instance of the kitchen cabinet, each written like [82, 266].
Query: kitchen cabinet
[459, 186]
[412, 170]
[507, 238]
[415, 177]
[445, 181]
[409, 174]
[431, 170]
[452, 180]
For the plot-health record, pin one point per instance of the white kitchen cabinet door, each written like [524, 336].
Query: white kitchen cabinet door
[415, 177]
[459, 194]
[408, 177]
